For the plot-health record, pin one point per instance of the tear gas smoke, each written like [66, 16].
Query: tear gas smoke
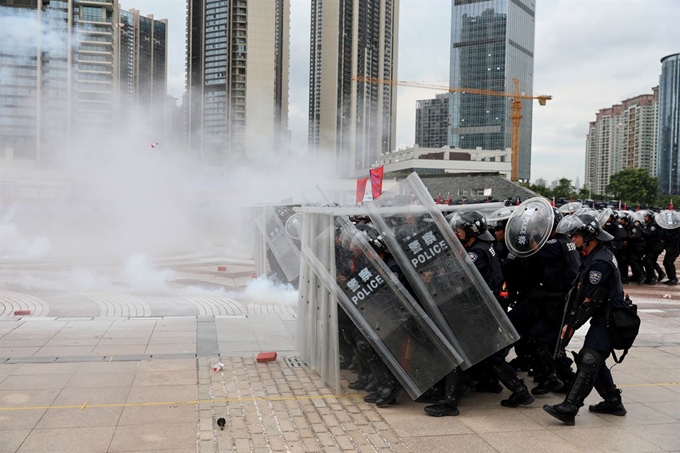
[116, 197]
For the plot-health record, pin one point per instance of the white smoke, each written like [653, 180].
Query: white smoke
[264, 290]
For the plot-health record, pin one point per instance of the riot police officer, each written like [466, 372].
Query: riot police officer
[654, 240]
[600, 285]
[614, 227]
[557, 264]
[471, 229]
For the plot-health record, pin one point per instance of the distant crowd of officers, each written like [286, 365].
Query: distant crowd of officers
[575, 277]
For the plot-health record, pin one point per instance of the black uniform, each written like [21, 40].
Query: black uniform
[616, 246]
[634, 251]
[600, 282]
[654, 247]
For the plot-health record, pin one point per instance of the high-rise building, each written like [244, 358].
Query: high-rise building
[350, 121]
[142, 66]
[237, 77]
[61, 90]
[492, 42]
[668, 151]
[622, 136]
[541, 182]
[432, 122]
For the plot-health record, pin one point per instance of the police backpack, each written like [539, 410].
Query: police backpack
[624, 325]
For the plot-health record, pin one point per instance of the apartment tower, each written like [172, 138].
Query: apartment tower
[60, 84]
[352, 122]
[237, 78]
[622, 136]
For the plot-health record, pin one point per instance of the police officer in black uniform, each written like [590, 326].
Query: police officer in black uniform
[600, 285]
[635, 248]
[557, 264]
[671, 240]
[654, 240]
[614, 227]
[471, 229]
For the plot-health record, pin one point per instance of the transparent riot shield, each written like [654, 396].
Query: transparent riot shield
[497, 217]
[441, 273]
[284, 250]
[293, 226]
[386, 314]
[529, 227]
[668, 220]
[571, 207]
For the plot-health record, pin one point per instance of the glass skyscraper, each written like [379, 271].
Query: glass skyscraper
[492, 42]
[668, 152]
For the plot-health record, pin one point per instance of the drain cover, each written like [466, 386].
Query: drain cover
[295, 362]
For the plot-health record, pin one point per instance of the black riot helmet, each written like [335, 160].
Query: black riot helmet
[376, 240]
[585, 224]
[558, 217]
[473, 223]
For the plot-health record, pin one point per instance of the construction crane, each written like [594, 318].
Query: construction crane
[515, 107]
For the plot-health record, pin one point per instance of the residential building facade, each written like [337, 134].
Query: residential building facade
[142, 67]
[352, 122]
[237, 77]
[492, 42]
[60, 87]
[668, 151]
[432, 122]
[622, 136]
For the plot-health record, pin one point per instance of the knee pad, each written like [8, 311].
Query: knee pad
[588, 360]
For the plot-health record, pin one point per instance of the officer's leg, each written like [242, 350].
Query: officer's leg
[658, 268]
[587, 362]
[388, 387]
[623, 264]
[508, 377]
[540, 337]
[669, 265]
[604, 384]
[636, 267]
[364, 376]
[650, 266]
[453, 391]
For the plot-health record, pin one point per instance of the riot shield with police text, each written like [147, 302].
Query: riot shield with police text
[529, 227]
[440, 272]
[668, 220]
[284, 250]
[382, 309]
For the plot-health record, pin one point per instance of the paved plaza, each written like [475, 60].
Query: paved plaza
[114, 365]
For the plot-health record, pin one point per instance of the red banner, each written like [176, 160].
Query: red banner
[361, 189]
[376, 181]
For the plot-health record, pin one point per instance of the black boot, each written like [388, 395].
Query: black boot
[612, 402]
[551, 384]
[660, 271]
[453, 390]
[388, 387]
[671, 282]
[545, 364]
[520, 394]
[587, 363]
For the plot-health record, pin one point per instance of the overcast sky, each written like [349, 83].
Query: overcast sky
[589, 54]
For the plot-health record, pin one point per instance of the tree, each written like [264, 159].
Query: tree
[563, 189]
[634, 185]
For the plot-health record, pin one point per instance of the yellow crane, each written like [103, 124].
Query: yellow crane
[515, 106]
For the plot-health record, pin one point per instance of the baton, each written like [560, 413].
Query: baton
[564, 316]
